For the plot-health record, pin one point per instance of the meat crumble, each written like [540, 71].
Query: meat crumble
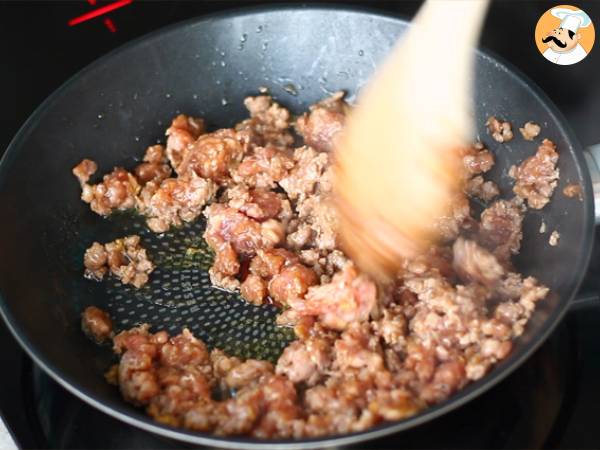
[123, 258]
[117, 191]
[365, 353]
[96, 324]
[530, 131]
[537, 176]
[500, 130]
[323, 122]
[573, 190]
[485, 190]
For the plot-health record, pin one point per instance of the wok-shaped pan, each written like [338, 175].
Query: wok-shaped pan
[114, 108]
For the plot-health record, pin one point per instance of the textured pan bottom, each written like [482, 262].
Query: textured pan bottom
[179, 293]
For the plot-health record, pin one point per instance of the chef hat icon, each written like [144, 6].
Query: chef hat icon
[570, 19]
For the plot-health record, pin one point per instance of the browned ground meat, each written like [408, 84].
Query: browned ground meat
[155, 166]
[348, 298]
[264, 167]
[84, 170]
[572, 190]
[268, 124]
[318, 213]
[124, 258]
[96, 324]
[254, 289]
[474, 263]
[174, 379]
[95, 260]
[128, 261]
[278, 273]
[500, 130]
[269, 263]
[177, 200]
[183, 131]
[485, 190]
[225, 267]
[258, 204]
[307, 172]
[500, 228]
[530, 131]
[203, 162]
[537, 176]
[477, 159]
[212, 155]
[323, 123]
[228, 228]
[449, 227]
[305, 361]
[292, 282]
[245, 234]
[226, 260]
[117, 191]
[365, 352]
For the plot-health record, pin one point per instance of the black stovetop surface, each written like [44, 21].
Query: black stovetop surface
[551, 401]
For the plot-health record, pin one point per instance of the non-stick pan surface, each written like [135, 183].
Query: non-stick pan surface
[113, 109]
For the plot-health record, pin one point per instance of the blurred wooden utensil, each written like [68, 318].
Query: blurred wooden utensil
[397, 161]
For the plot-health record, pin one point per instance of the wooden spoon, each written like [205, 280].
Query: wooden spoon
[398, 160]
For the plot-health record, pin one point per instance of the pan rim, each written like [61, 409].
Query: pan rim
[136, 418]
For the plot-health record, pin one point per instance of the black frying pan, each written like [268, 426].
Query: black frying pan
[111, 110]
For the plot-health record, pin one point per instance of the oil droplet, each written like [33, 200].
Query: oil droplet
[290, 89]
[263, 89]
[361, 53]
[159, 123]
[195, 96]
[100, 116]
[223, 63]
[167, 95]
[196, 56]
[244, 37]
[218, 81]
[135, 96]
[241, 46]
[259, 29]
[265, 45]
[222, 53]
[137, 139]
[224, 102]
[213, 63]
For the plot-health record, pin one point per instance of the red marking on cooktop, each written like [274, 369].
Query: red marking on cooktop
[99, 12]
[110, 25]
